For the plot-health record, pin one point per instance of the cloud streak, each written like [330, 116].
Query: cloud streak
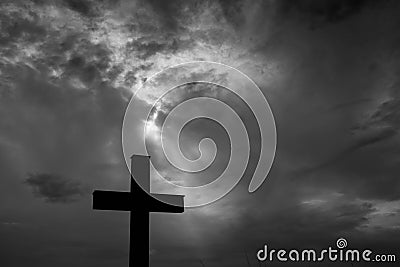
[56, 189]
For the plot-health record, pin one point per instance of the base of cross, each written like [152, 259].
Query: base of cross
[140, 203]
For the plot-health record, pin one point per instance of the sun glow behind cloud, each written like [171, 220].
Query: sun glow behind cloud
[152, 131]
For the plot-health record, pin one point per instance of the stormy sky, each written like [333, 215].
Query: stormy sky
[329, 69]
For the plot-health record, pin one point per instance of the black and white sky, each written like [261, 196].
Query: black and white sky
[330, 70]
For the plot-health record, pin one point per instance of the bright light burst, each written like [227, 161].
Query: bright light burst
[152, 130]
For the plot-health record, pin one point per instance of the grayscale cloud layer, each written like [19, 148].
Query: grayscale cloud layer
[329, 69]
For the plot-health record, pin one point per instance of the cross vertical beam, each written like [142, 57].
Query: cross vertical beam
[140, 173]
[139, 230]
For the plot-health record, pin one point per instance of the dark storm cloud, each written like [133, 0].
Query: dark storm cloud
[168, 12]
[368, 158]
[370, 139]
[382, 135]
[21, 29]
[80, 6]
[314, 13]
[89, 66]
[387, 114]
[146, 50]
[233, 11]
[86, 8]
[54, 188]
[350, 104]
[62, 129]
[349, 137]
[323, 10]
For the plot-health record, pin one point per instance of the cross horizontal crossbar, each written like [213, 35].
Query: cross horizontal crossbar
[127, 201]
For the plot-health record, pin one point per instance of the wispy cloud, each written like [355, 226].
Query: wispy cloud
[56, 189]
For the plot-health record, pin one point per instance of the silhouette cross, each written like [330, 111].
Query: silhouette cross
[140, 203]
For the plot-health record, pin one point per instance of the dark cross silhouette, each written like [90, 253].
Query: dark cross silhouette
[140, 202]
